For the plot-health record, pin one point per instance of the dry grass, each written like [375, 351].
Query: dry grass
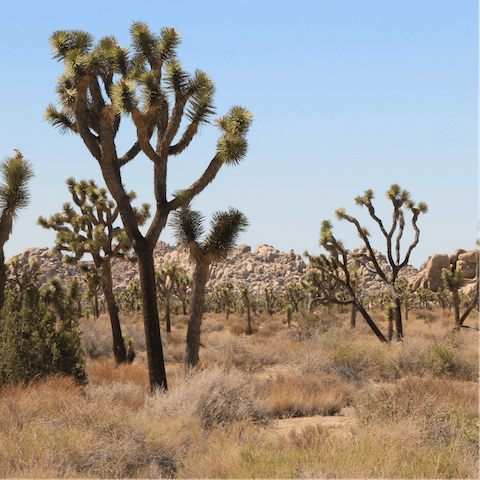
[305, 396]
[417, 402]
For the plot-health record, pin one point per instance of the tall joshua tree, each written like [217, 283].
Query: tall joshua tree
[399, 198]
[105, 83]
[14, 197]
[225, 229]
[93, 231]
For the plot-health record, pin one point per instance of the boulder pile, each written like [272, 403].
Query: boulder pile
[430, 275]
[264, 267]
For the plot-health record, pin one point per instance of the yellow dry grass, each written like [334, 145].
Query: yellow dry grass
[413, 406]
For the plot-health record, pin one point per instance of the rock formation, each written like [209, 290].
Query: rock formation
[264, 267]
[431, 271]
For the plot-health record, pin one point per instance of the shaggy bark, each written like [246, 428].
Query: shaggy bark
[119, 351]
[200, 277]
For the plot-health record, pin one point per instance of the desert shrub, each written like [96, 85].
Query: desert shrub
[318, 322]
[309, 437]
[422, 314]
[418, 397]
[35, 340]
[247, 353]
[305, 395]
[445, 424]
[408, 356]
[128, 394]
[363, 360]
[216, 396]
[96, 341]
[443, 359]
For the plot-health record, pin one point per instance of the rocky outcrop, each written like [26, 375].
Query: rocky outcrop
[264, 267]
[430, 275]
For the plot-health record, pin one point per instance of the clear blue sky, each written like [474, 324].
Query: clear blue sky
[347, 95]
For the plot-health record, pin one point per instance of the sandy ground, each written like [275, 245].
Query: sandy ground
[340, 424]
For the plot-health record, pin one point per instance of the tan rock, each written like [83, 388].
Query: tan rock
[469, 269]
[469, 257]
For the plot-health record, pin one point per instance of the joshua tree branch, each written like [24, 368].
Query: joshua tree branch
[82, 120]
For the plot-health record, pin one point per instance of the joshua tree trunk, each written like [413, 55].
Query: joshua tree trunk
[3, 277]
[456, 305]
[200, 277]
[398, 318]
[353, 316]
[371, 323]
[6, 224]
[96, 312]
[118, 344]
[249, 318]
[167, 308]
[153, 340]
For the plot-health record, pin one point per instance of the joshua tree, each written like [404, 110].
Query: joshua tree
[269, 300]
[340, 274]
[14, 197]
[245, 295]
[92, 231]
[399, 198]
[294, 294]
[94, 281]
[165, 278]
[390, 315]
[288, 314]
[321, 286]
[100, 86]
[182, 285]
[225, 229]
[226, 297]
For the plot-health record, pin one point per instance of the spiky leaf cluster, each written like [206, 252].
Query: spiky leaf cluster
[132, 78]
[16, 173]
[92, 229]
[224, 231]
[232, 145]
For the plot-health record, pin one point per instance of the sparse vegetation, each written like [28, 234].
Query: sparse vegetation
[405, 410]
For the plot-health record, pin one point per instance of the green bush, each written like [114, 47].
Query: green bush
[443, 359]
[35, 340]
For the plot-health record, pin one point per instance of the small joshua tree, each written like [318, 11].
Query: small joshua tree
[16, 173]
[182, 285]
[166, 278]
[391, 313]
[336, 269]
[226, 298]
[225, 229]
[92, 231]
[288, 314]
[294, 294]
